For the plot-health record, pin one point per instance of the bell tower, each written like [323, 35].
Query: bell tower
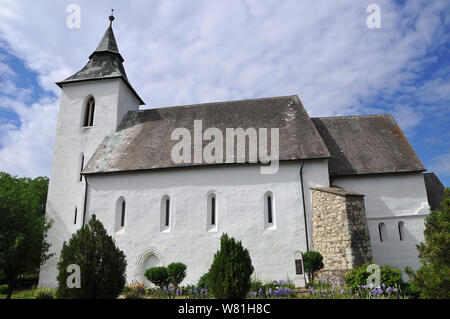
[93, 103]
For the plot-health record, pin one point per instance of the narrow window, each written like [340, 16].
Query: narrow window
[89, 112]
[82, 165]
[122, 220]
[75, 218]
[382, 232]
[165, 214]
[269, 212]
[401, 230]
[167, 211]
[120, 214]
[213, 210]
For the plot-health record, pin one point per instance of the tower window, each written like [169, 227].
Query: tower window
[211, 219]
[75, 217]
[89, 112]
[382, 232]
[269, 212]
[165, 213]
[401, 230]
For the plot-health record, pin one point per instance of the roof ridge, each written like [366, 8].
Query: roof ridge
[217, 102]
[355, 116]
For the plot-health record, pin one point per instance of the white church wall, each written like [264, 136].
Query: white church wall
[239, 191]
[390, 199]
[66, 191]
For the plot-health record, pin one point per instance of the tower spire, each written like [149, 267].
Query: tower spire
[111, 18]
[104, 63]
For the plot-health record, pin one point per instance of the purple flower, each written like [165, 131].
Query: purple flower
[253, 293]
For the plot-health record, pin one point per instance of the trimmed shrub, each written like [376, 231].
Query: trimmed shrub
[389, 276]
[102, 264]
[177, 273]
[229, 275]
[159, 276]
[313, 262]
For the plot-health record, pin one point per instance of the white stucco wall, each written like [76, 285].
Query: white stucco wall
[390, 199]
[66, 192]
[239, 193]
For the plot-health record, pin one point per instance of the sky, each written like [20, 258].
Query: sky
[193, 51]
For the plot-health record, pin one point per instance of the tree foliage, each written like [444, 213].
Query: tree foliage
[177, 273]
[313, 262]
[229, 275]
[23, 226]
[433, 278]
[102, 264]
[159, 276]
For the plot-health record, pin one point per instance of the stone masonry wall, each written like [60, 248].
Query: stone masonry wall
[339, 230]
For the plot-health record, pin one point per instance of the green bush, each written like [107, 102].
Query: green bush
[389, 276]
[432, 280]
[229, 275]
[203, 282]
[44, 294]
[159, 276]
[3, 289]
[102, 264]
[176, 272]
[313, 262]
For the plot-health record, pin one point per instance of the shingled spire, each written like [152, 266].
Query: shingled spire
[104, 63]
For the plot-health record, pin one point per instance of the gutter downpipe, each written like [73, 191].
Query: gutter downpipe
[85, 199]
[304, 206]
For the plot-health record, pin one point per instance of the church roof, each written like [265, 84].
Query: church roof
[367, 145]
[104, 63]
[143, 140]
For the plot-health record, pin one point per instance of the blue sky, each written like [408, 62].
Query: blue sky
[184, 51]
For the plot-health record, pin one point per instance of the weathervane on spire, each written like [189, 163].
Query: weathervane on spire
[111, 17]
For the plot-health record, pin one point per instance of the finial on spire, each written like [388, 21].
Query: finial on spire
[111, 17]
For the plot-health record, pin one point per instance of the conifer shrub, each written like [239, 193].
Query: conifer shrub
[229, 275]
[102, 264]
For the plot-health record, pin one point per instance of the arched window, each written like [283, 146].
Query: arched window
[89, 110]
[165, 213]
[212, 212]
[382, 232]
[269, 213]
[401, 230]
[120, 214]
[75, 217]
[82, 165]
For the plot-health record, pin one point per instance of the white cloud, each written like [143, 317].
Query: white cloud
[441, 165]
[182, 52]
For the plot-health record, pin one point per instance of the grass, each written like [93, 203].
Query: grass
[31, 293]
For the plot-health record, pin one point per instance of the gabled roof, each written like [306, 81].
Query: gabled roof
[367, 145]
[104, 63]
[143, 140]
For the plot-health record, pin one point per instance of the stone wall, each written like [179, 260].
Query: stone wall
[339, 230]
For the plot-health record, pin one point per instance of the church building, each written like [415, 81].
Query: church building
[350, 187]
